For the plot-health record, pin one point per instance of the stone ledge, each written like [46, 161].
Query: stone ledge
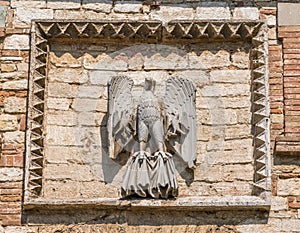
[181, 203]
[287, 146]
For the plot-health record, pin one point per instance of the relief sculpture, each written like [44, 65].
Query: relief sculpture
[152, 128]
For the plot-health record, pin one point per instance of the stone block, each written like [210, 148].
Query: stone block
[15, 105]
[65, 4]
[238, 131]
[241, 60]
[26, 14]
[208, 59]
[279, 203]
[62, 90]
[130, 7]
[172, 61]
[61, 189]
[93, 92]
[98, 77]
[65, 118]
[8, 122]
[76, 76]
[70, 155]
[28, 3]
[72, 136]
[58, 103]
[168, 13]
[11, 174]
[85, 104]
[98, 189]
[16, 42]
[3, 10]
[74, 172]
[107, 63]
[217, 90]
[16, 137]
[217, 12]
[288, 14]
[236, 102]
[136, 62]
[288, 187]
[15, 85]
[230, 76]
[91, 119]
[72, 14]
[8, 67]
[95, 5]
[66, 60]
[246, 13]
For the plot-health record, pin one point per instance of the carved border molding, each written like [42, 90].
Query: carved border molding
[45, 31]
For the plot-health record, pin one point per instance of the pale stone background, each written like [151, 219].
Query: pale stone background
[77, 164]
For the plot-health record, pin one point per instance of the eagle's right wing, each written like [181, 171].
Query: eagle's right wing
[120, 115]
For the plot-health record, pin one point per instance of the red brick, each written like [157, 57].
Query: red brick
[292, 67]
[10, 198]
[290, 90]
[295, 124]
[274, 184]
[268, 11]
[23, 123]
[292, 45]
[11, 220]
[275, 80]
[276, 87]
[291, 61]
[291, 72]
[276, 126]
[289, 34]
[12, 191]
[276, 111]
[292, 51]
[18, 161]
[275, 75]
[4, 3]
[292, 130]
[11, 185]
[294, 205]
[276, 92]
[276, 98]
[292, 102]
[291, 79]
[288, 84]
[291, 56]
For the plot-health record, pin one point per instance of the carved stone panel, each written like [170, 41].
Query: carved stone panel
[70, 152]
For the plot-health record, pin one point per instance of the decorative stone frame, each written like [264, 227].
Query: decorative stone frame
[43, 31]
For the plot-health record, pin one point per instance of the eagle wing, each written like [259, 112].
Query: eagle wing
[120, 115]
[180, 112]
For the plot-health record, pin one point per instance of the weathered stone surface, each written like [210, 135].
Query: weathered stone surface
[15, 85]
[170, 62]
[76, 14]
[66, 60]
[249, 13]
[85, 104]
[28, 3]
[19, 42]
[225, 90]
[14, 137]
[91, 119]
[93, 92]
[56, 4]
[207, 59]
[279, 203]
[21, 229]
[136, 62]
[8, 122]
[132, 7]
[15, 105]
[72, 136]
[58, 103]
[118, 63]
[241, 60]
[8, 67]
[168, 13]
[101, 77]
[66, 118]
[288, 14]
[26, 14]
[213, 10]
[68, 75]
[103, 6]
[288, 187]
[62, 90]
[3, 10]
[10, 174]
[230, 76]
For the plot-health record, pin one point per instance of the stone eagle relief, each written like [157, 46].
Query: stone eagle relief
[151, 129]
